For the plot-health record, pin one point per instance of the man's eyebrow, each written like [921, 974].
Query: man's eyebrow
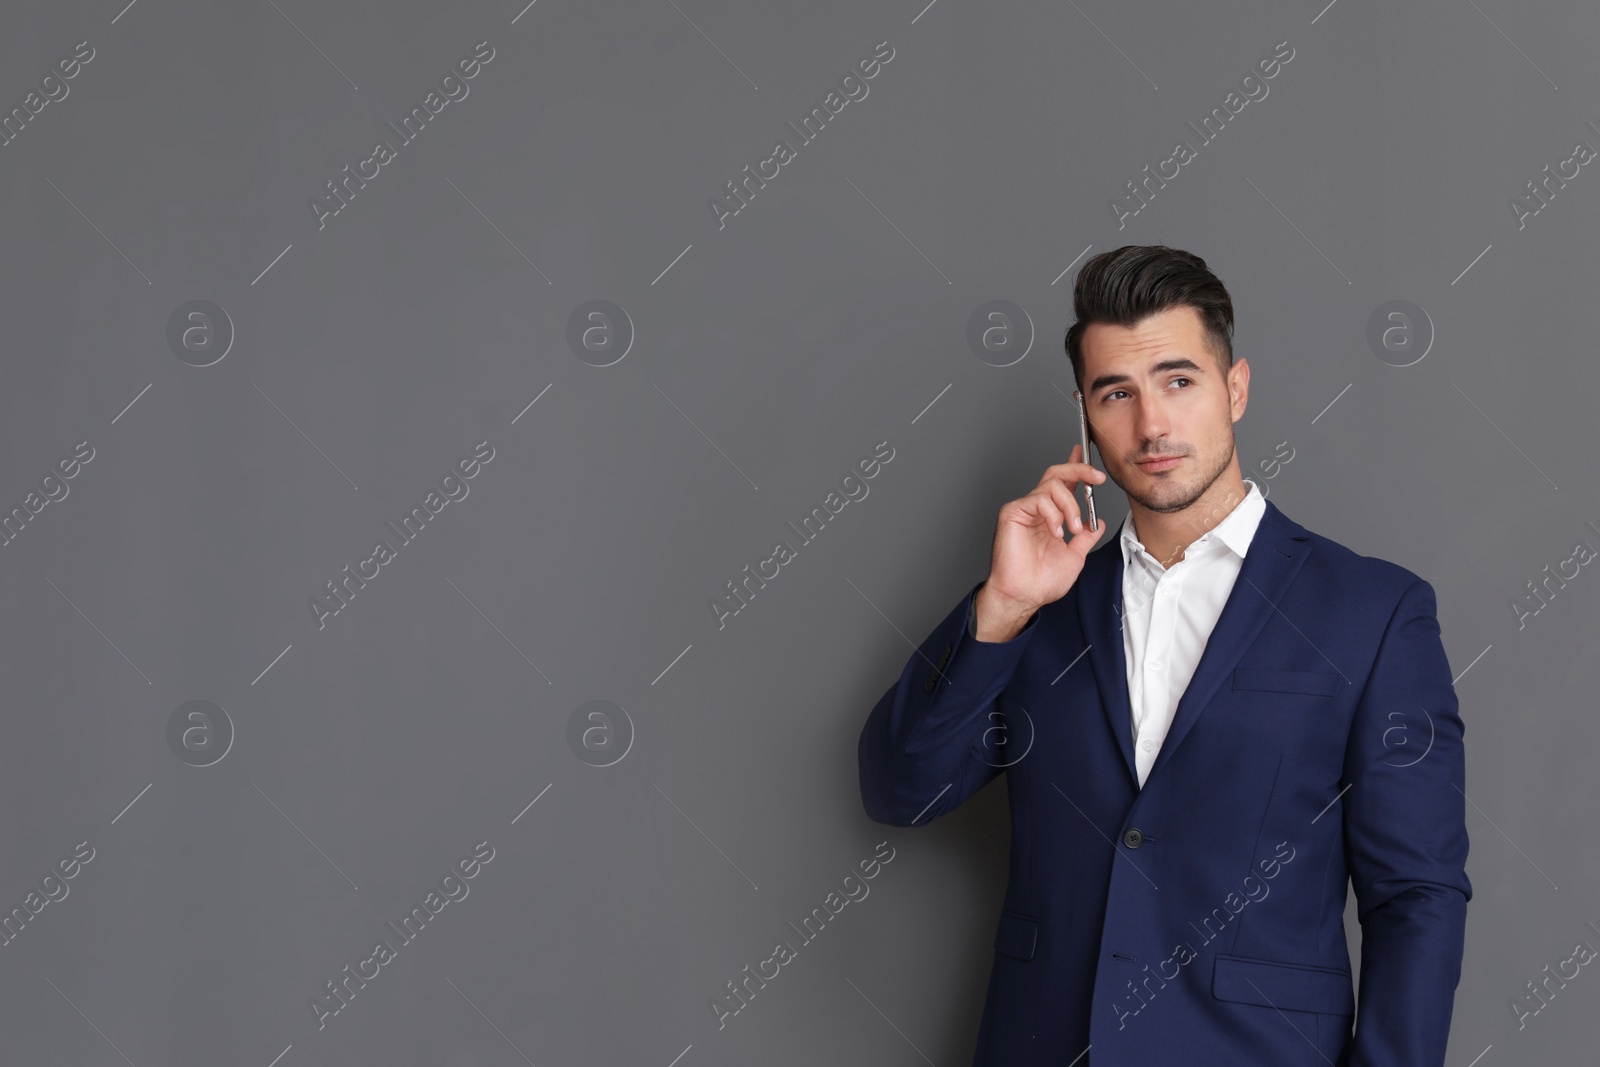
[1179, 363]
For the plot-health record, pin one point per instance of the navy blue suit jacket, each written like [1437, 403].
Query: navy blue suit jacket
[1199, 920]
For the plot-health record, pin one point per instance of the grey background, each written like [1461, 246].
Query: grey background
[828, 316]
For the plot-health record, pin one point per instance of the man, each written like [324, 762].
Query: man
[1209, 726]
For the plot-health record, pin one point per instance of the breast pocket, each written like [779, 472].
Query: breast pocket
[1312, 683]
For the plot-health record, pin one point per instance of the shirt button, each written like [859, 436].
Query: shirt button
[1166, 590]
[1133, 838]
[1154, 665]
[1148, 745]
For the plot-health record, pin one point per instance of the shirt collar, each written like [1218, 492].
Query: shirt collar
[1236, 530]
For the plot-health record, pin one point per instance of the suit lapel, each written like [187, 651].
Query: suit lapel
[1100, 613]
[1277, 552]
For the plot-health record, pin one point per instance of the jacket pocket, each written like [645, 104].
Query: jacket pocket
[1289, 986]
[1316, 683]
[1018, 936]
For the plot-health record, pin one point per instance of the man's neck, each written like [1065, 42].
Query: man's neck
[1168, 535]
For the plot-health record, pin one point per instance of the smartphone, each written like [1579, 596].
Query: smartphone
[1083, 434]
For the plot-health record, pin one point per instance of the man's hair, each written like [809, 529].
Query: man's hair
[1125, 286]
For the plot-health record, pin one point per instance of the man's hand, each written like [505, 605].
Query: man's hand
[1032, 564]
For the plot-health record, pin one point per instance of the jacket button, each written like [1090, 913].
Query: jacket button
[1133, 838]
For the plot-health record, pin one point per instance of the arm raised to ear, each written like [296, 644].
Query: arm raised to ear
[920, 752]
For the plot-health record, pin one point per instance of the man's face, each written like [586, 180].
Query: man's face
[1155, 391]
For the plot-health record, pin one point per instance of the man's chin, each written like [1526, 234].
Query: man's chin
[1169, 499]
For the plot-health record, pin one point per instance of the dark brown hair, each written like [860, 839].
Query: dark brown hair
[1128, 284]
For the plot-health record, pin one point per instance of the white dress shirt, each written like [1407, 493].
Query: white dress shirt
[1168, 615]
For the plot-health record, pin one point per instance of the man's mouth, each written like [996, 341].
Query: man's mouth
[1161, 463]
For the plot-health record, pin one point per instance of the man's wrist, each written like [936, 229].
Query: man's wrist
[999, 618]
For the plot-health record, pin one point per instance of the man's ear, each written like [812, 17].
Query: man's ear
[1239, 387]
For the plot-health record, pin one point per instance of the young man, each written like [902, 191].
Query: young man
[1213, 724]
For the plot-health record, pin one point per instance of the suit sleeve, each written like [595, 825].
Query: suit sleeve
[921, 751]
[1405, 839]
